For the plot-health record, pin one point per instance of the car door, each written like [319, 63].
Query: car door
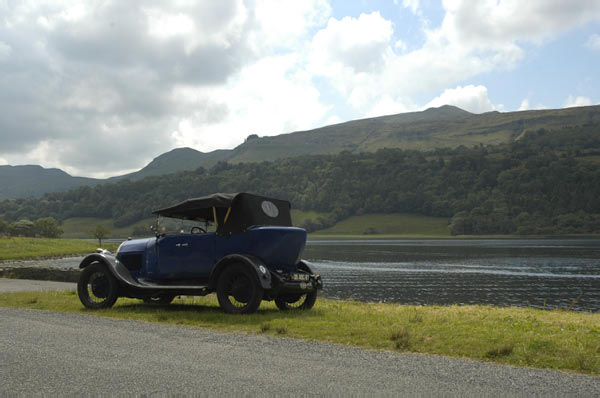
[186, 256]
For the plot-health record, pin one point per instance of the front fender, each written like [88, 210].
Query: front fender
[115, 267]
[262, 273]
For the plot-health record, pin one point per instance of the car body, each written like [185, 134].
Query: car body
[254, 254]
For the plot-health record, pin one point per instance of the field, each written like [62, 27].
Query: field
[390, 224]
[28, 248]
[82, 227]
[298, 216]
[517, 336]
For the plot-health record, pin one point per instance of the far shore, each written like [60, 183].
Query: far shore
[24, 249]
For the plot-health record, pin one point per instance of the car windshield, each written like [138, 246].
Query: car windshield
[173, 226]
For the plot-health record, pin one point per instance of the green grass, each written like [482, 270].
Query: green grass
[593, 159]
[28, 248]
[517, 336]
[298, 216]
[390, 224]
[82, 227]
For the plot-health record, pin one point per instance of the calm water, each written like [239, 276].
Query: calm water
[537, 273]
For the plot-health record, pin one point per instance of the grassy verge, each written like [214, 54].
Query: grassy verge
[517, 336]
[29, 248]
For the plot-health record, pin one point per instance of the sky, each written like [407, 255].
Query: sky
[100, 88]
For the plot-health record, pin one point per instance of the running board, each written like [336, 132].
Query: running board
[123, 275]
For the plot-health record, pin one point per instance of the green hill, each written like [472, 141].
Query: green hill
[389, 224]
[444, 127]
[178, 159]
[30, 180]
[545, 182]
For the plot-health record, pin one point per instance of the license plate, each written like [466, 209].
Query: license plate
[300, 277]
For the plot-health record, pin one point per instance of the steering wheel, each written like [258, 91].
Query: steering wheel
[197, 230]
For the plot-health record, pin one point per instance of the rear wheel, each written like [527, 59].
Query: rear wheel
[97, 287]
[238, 291]
[296, 301]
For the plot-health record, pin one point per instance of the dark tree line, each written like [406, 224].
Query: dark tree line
[546, 182]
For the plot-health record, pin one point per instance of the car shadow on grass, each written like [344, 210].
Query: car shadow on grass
[175, 312]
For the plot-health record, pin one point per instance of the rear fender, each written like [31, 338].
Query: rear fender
[258, 267]
[306, 266]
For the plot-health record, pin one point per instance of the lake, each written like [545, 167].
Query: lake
[540, 273]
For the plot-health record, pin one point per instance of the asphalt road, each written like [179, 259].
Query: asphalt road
[51, 353]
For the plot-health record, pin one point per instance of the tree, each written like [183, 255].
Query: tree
[3, 227]
[100, 233]
[47, 227]
[21, 228]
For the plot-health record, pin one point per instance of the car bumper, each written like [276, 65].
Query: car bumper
[290, 286]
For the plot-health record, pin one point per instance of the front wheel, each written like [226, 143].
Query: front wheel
[97, 287]
[238, 291]
[296, 301]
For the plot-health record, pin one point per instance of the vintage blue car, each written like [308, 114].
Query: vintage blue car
[254, 254]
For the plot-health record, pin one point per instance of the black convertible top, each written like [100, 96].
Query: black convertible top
[232, 212]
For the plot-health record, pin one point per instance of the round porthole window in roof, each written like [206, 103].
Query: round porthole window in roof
[269, 208]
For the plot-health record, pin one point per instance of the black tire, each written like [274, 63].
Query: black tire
[164, 299]
[296, 301]
[238, 290]
[97, 287]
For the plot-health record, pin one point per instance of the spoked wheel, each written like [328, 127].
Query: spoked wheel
[296, 301]
[238, 291]
[97, 287]
[163, 299]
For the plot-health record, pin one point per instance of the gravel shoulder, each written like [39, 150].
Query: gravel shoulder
[27, 285]
[53, 353]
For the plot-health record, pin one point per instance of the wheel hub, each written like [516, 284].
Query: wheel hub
[99, 286]
[241, 291]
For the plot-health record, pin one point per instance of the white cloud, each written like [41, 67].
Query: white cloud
[412, 4]
[524, 105]
[510, 20]
[470, 98]
[5, 51]
[389, 106]
[367, 64]
[357, 44]
[78, 77]
[283, 24]
[400, 45]
[593, 42]
[572, 101]
[94, 80]
[288, 103]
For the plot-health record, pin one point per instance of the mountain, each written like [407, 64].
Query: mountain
[545, 182]
[25, 181]
[446, 126]
[178, 159]
[443, 127]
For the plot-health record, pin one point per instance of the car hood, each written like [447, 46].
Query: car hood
[134, 245]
